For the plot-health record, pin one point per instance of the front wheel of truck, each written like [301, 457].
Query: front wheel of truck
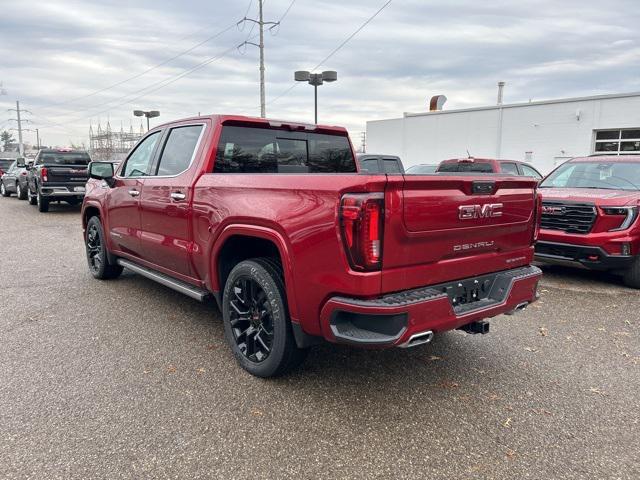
[632, 275]
[256, 319]
[96, 248]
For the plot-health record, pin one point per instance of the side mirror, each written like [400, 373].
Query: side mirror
[102, 171]
[20, 163]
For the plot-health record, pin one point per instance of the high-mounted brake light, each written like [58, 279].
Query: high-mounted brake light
[362, 226]
[43, 173]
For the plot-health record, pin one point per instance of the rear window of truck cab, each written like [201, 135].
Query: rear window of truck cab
[265, 150]
[479, 167]
[64, 158]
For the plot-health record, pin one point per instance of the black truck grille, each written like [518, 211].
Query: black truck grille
[568, 217]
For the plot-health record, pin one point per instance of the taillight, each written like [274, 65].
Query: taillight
[537, 218]
[43, 174]
[362, 226]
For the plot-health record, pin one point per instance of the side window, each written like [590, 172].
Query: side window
[510, 168]
[179, 149]
[371, 165]
[530, 172]
[391, 165]
[138, 162]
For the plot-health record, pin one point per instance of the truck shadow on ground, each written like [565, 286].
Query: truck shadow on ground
[557, 274]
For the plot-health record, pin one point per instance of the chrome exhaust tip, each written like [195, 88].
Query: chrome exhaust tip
[519, 308]
[418, 339]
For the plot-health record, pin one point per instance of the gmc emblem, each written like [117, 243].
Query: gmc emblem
[488, 210]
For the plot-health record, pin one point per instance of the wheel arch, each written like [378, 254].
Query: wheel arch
[241, 242]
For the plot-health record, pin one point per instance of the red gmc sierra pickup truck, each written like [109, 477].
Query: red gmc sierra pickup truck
[590, 215]
[273, 220]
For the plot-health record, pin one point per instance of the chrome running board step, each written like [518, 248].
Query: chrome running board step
[173, 283]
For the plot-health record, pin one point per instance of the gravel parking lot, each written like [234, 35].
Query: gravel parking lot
[127, 379]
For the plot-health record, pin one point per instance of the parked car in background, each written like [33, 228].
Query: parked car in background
[271, 219]
[5, 163]
[372, 163]
[14, 180]
[590, 215]
[422, 169]
[57, 175]
[489, 165]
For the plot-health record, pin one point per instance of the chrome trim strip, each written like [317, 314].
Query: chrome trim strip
[165, 280]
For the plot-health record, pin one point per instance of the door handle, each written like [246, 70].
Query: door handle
[134, 193]
[178, 195]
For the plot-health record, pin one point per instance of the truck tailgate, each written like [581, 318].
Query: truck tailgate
[442, 228]
[67, 173]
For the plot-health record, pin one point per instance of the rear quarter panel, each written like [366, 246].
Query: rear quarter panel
[301, 212]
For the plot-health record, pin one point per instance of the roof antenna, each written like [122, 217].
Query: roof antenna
[468, 154]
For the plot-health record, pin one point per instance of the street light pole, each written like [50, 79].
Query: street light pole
[315, 104]
[315, 79]
[149, 114]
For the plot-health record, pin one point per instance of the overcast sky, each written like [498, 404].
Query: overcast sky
[54, 51]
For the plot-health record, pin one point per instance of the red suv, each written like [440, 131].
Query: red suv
[590, 215]
[488, 165]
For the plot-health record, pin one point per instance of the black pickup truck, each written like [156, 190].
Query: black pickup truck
[57, 175]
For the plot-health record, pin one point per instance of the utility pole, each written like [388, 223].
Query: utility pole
[263, 112]
[38, 138]
[19, 121]
[363, 137]
[261, 23]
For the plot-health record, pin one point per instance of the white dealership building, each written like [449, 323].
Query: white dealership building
[543, 133]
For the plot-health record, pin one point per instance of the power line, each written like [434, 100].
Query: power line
[150, 69]
[161, 84]
[335, 50]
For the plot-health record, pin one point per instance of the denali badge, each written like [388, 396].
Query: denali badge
[488, 210]
[472, 246]
[551, 210]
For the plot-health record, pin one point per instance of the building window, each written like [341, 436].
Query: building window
[617, 142]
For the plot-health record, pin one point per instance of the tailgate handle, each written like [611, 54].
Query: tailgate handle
[483, 187]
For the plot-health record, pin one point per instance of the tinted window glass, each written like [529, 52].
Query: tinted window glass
[64, 158]
[391, 166]
[608, 135]
[261, 150]
[630, 134]
[139, 161]
[510, 168]
[178, 149]
[466, 167]
[371, 165]
[530, 172]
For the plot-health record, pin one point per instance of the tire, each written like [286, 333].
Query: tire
[256, 319]
[20, 192]
[97, 258]
[632, 275]
[43, 203]
[3, 190]
[32, 198]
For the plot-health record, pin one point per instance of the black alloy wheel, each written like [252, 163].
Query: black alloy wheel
[97, 258]
[95, 254]
[256, 319]
[3, 190]
[251, 319]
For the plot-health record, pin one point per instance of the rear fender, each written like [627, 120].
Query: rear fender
[264, 233]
